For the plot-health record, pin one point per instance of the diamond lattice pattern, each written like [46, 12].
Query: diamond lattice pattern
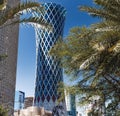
[48, 72]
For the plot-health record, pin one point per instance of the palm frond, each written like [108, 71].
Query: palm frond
[33, 21]
[116, 48]
[107, 3]
[89, 61]
[13, 14]
[2, 4]
[100, 13]
[37, 21]
[10, 13]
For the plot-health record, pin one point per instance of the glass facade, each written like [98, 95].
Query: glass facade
[70, 104]
[48, 72]
[19, 100]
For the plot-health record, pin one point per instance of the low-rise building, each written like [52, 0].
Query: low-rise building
[28, 102]
[33, 111]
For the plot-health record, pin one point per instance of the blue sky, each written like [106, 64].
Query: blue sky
[26, 50]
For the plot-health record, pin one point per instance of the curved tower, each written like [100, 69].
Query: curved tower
[48, 72]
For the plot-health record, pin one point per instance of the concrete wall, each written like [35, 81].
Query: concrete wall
[8, 46]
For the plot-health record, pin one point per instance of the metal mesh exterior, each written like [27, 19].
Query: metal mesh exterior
[48, 72]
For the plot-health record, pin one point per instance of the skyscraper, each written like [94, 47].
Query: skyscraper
[8, 46]
[70, 104]
[48, 72]
[19, 100]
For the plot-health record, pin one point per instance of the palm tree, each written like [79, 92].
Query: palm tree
[95, 52]
[9, 16]
[107, 41]
[109, 12]
[7, 13]
[104, 40]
